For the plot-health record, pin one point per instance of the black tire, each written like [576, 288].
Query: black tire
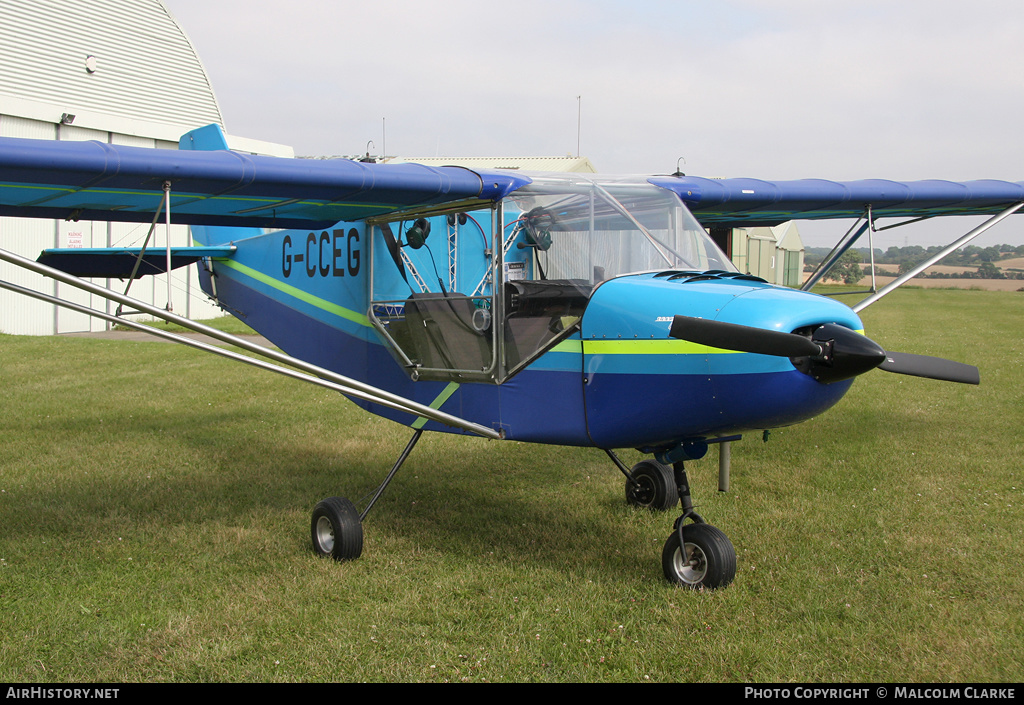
[336, 529]
[653, 486]
[709, 561]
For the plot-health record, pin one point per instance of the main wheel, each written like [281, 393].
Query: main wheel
[653, 486]
[336, 529]
[706, 560]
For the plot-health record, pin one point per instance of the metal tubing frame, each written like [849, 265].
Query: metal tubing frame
[142, 253]
[345, 385]
[453, 256]
[206, 347]
[871, 248]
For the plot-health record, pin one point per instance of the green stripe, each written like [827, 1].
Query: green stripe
[305, 296]
[649, 347]
[568, 346]
[445, 394]
[185, 197]
[661, 346]
[634, 347]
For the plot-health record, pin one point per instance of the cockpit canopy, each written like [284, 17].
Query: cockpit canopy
[596, 229]
[547, 246]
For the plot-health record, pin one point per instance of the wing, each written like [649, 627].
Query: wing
[745, 203]
[97, 181]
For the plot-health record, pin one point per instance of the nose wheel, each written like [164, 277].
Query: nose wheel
[699, 556]
[696, 555]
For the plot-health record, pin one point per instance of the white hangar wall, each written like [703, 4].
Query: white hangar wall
[116, 71]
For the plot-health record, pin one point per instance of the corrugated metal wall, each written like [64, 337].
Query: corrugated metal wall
[145, 68]
[147, 88]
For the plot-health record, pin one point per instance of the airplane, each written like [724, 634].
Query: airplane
[567, 309]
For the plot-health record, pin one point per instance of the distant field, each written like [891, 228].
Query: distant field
[982, 284]
[154, 505]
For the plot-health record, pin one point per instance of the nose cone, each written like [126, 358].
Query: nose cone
[844, 355]
[645, 389]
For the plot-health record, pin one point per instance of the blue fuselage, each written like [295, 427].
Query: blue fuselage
[617, 380]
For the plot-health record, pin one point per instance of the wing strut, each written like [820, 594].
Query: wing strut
[165, 203]
[330, 380]
[899, 281]
[167, 225]
[837, 252]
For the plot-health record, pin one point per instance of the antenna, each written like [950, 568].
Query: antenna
[368, 159]
[384, 137]
[579, 117]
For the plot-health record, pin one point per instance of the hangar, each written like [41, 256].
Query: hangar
[117, 71]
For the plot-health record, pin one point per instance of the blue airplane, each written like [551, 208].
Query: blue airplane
[566, 309]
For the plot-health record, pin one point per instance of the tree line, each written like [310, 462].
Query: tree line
[900, 260]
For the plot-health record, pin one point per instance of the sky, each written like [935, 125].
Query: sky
[773, 89]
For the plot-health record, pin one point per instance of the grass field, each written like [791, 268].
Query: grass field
[154, 509]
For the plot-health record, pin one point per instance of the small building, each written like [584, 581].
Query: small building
[775, 253]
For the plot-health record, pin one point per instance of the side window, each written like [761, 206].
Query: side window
[435, 303]
[431, 295]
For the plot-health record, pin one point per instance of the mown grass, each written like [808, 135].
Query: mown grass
[154, 509]
[228, 324]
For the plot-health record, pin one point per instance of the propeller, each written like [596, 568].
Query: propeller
[831, 352]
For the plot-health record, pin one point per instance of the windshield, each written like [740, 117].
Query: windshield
[583, 229]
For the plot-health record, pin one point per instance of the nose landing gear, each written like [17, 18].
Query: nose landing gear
[697, 555]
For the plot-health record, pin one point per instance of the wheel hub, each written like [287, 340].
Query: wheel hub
[325, 534]
[692, 568]
[643, 490]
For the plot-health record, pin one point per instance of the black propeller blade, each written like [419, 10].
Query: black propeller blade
[931, 367]
[730, 336]
[832, 353]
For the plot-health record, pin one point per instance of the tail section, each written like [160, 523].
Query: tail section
[304, 290]
[204, 139]
[209, 139]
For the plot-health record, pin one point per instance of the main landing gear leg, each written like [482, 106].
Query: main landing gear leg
[696, 555]
[337, 527]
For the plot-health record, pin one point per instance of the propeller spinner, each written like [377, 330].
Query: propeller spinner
[830, 353]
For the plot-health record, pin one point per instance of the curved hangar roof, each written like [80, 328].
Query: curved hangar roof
[118, 65]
